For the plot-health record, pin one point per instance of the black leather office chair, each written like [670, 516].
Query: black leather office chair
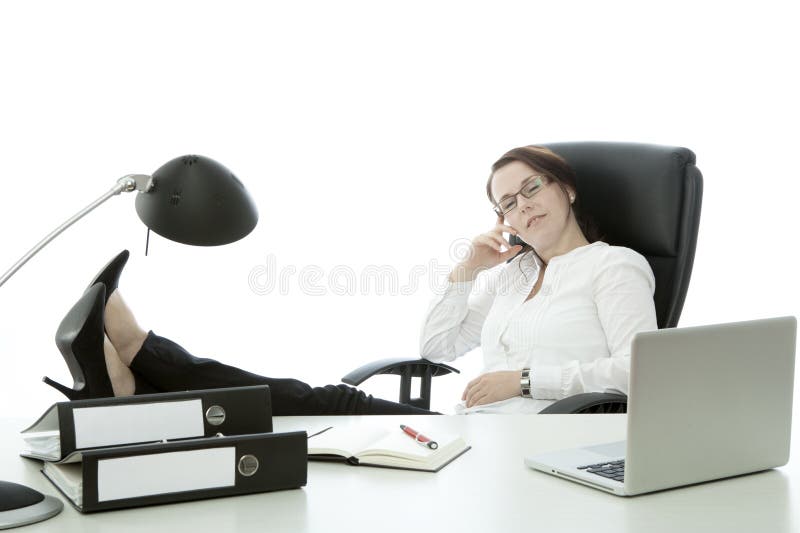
[642, 196]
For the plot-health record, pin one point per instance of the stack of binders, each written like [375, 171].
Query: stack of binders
[112, 453]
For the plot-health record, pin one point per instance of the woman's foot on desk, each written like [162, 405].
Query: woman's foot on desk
[120, 325]
[96, 369]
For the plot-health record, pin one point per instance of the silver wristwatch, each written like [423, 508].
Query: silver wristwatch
[525, 383]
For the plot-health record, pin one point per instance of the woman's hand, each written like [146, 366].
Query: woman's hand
[492, 387]
[486, 252]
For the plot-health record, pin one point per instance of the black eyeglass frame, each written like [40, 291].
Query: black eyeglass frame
[539, 181]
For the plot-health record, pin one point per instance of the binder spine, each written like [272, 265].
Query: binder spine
[230, 411]
[264, 462]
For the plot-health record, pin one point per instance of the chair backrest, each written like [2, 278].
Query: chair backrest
[645, 197]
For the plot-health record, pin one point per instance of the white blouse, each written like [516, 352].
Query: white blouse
[574, 334]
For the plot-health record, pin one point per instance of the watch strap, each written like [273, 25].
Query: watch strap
[525, 383]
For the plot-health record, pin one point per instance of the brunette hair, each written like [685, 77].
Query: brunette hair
[551, 165]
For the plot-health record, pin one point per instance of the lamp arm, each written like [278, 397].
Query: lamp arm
[129, 183]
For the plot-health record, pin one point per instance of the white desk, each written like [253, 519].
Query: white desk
[487, 489]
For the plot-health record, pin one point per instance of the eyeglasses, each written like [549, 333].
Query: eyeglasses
[529, 190]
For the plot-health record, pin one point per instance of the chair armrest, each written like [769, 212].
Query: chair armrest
[588, 402]
[406, 368]
[397, 365]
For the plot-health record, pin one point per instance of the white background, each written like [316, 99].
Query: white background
[365, 131]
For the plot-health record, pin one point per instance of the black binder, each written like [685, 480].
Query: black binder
[181, 471]
[195, 414]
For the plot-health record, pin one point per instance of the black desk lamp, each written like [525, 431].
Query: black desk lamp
[191, 200]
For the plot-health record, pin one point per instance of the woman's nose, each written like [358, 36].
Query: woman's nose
[524, 203]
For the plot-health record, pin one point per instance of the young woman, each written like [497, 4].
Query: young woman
[559, 318]
[555, 321]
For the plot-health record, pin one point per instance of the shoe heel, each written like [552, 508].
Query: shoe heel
[72, 394]
[80, 340]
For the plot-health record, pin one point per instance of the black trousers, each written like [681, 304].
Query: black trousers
[164, 366]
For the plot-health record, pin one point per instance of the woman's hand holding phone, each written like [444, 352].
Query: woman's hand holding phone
[486, 251]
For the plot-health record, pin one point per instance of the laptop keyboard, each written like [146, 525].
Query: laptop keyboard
[611, 469]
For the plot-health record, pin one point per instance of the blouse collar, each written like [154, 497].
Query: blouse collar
[533, 261]
[576, 252]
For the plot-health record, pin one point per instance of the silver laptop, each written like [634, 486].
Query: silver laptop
[705, 403]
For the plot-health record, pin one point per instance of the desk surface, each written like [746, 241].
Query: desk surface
[486, 489]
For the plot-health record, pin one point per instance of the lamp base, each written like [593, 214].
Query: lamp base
[20, 505]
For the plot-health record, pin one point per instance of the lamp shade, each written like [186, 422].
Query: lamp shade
[196, 200]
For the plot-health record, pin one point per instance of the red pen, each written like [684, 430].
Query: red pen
[419, 437]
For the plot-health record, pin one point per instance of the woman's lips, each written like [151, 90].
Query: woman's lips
[534, 220]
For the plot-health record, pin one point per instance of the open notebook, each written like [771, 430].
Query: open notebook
[379, 446]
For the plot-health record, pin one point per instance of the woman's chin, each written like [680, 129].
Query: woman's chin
[537, 242]
[531, 238]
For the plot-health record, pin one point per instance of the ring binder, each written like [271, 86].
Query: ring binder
[70, 427]
[147, 474]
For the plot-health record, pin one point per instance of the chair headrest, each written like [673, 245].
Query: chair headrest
[634, 192]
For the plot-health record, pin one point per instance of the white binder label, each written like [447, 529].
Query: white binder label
[144, 422]
[162, 473]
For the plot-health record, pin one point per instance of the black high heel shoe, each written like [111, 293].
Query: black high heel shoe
[80, 340]
[109, 275]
